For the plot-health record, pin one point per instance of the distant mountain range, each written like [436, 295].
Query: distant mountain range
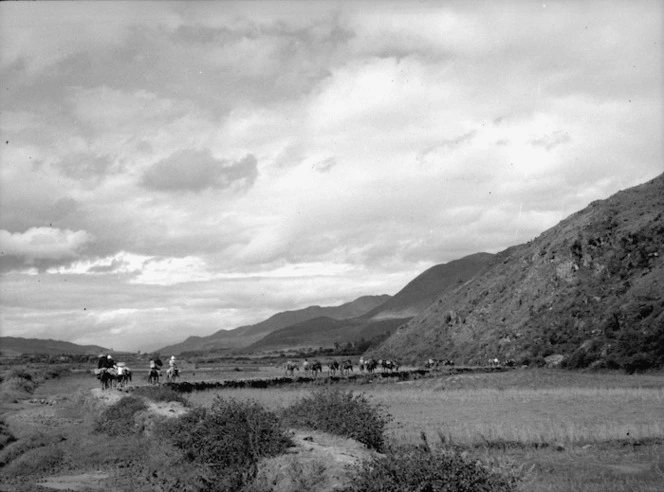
[589, 291]
[246, 335]
[14, 346]
[363, 319]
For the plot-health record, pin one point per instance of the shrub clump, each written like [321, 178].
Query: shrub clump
[118, 419]
[226, 441]
[6, 437]
[20, 380]
[342, 413]
[417, 469]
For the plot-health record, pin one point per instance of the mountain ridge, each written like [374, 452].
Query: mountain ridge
[588, 289]
[14, 346]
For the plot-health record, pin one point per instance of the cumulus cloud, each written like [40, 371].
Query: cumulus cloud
[194, 171]
[388, 138]
[44, 243]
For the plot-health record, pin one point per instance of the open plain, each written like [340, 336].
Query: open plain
[558, 430]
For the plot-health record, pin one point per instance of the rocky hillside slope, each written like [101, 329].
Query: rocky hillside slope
[590, 289]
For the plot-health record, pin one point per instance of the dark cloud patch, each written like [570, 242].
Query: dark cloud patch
[194, 171]
[87, 166]
[452, 143]
[324, 166]
[551, 140]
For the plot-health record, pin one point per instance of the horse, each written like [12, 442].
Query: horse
[389, 365]
[153, 376]
[291, 367]
[333, 366]
[173, 373]
[107, 377]
[316, 368]
[346, 367]
[124, 376]
[371, 365]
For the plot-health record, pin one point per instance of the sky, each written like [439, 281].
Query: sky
[177, 168]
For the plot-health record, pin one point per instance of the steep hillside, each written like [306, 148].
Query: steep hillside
[590, 288]
[13, 346]
[246, 335]
[429, 285]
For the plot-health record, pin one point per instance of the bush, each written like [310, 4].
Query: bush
[227, 441]
[6, 437]
[160, 393]
[417, 469]
[20, 380]
[118, 419]
[341, 413]
[55, 372]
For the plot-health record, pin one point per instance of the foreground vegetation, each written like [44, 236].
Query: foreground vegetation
[534, 430]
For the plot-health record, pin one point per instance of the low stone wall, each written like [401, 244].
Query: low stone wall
[405, 375]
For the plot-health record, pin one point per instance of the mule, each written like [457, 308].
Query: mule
[291, 367]
[153, 376]
[172, 374]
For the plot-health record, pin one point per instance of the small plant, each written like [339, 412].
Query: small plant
[227, 441]
[118, 419]
[341, 413]
[420, 469]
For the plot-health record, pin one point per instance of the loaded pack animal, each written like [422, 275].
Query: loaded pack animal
[332, 367]
[291, 367]
[124, 374]
[370, 365]
[107, 377]
[389, 365]
[346, 367]
[316, 368]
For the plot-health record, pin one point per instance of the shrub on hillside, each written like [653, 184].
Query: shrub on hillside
[417, 469]
[118, 419]
[342, 413]
[226, 441]
[6, 437]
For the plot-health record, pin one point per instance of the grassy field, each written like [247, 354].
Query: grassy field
[562, 430]
[565, 431]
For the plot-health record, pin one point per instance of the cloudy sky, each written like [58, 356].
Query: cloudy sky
[171, 169]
